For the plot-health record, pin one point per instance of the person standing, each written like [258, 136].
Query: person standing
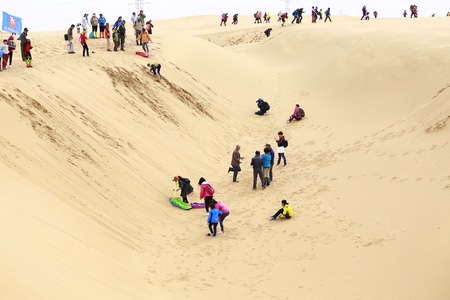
[5, 54]
[23, 40]
[206, 192]
[107, 36]
[272, 160]
[236, 160]
[70, 42]
[116, 39]
[83, 42]
[136, 26]
[213, 220]
[285, 211]
[144, 38]
[266, 166]
[94, 24]
[11, 47]
[281, 142]
[225, 213]
[27, 48]
[257, 164]
[102, 25]
[122, 31]
[183, 184]
[141, 19]
[313, 15]
[328, 14]
[85, 22]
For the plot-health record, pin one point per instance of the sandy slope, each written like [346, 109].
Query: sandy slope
[88, 148]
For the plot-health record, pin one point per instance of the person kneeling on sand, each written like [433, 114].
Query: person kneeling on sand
[155, 68]
[263, 107]
[285, 211]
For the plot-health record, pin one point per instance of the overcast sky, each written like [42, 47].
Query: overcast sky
[44, 15]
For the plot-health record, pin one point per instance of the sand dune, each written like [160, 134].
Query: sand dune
[89, 146]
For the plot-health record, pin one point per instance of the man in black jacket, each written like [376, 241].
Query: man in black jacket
[263, 107]
[257, 164]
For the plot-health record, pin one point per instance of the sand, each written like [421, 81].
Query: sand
[89, 146]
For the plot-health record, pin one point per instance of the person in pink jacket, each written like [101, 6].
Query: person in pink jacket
[206, 192]
[225, 212]
[298, 114]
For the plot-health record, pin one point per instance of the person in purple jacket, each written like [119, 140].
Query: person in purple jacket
[225, 212]
[213, 220]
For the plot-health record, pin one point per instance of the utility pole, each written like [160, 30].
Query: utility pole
[139, 5]
[287, 5]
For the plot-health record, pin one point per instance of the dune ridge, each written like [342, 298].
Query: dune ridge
[89, 146]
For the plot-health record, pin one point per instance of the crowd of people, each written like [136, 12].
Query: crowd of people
[100, 28]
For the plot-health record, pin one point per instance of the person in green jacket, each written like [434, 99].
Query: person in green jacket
[115, 36]
[285, 211]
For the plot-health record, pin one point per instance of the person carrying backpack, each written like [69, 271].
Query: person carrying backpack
[298, 114]
[206, 192]
[263, 107]
[282, 144]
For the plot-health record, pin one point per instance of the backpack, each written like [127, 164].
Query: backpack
[302, 112]
[266, 106]
[210, 189]
[66, 37]
[286, 143]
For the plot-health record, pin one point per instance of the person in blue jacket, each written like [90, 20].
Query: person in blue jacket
[272, 160]
[213, 219]
[266, 157]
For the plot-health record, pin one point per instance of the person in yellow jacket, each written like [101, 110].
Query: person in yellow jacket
[285, 211]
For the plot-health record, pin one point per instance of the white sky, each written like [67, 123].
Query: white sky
[44, 15]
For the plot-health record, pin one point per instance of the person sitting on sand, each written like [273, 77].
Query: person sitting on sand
[298, 114]
[263, 107]
[284, 212]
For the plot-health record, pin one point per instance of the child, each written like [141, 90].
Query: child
[28, 47]
[115, 36]
[144, 37]
[5, 54]
[213, 219]
[83, 39]
[285, 211]
[107, 35]
[155, 68]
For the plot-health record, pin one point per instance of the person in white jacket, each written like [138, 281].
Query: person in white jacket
[4, 54]
[85, 22]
